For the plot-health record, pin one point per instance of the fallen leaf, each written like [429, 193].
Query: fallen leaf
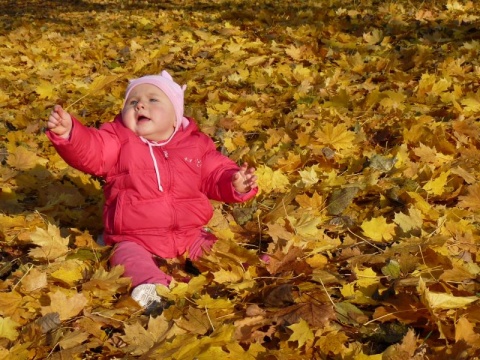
[66, 307]
[35, 280]
[442, 301]
[51, 244]
[301, 333]
[8, 328]
[315, 315]
[378, 229]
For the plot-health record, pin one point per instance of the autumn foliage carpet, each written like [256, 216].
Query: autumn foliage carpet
[362, 120]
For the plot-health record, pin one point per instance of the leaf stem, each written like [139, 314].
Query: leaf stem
[395, 312]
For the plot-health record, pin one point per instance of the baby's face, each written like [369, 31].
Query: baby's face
[149, 113]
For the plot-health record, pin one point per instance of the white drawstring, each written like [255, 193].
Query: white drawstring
[151, 144]
[155, 165]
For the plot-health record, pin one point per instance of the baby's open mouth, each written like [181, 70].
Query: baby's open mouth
[142, 118]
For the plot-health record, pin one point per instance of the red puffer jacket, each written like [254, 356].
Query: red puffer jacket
[164, 219]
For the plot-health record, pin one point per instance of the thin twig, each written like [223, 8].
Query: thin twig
[368, 242]
[396, 312]
[424, 263]
[210, 320]
[259, 233]
[326, 292]
[26, 273]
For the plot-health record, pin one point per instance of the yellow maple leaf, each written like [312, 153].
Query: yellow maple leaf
[377, 229]
[50, 242]
[23, 159]
[333, 342]
[309, 176]
[271, 180]
[139, 340]
[348, 290]
[337, 136]
[423, 205]
[66, 307]
[301, 333]
[437, 186]
[223, 276]
[256, 60]
[441, 86]
[302, 73]
[472, 199]
[431, 155]
[10, 302]
[428, 85]
[393, 101]
[303, 139]
[291, 162]
[8, 329]
[206, 301]
[46, 90]
[70, 271]
[220, 225]
[238, 352]
[366, 277]
[316, 202]
[414, 219]
[317, 261]
[249, 120]
[294, 52]
[471, 104]
[306, 225]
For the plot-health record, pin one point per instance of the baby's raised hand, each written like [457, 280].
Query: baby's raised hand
[244, 180]
[60, 122]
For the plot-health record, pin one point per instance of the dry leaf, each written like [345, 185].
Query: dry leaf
[51, 244]
[66, 307]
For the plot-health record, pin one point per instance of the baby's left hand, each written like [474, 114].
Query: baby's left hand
[244, 180]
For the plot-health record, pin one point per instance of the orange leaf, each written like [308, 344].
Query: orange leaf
[472, 199]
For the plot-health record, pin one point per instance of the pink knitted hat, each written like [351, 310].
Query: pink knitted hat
[165, 83]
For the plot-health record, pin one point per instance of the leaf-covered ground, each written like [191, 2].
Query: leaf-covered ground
[362, 120]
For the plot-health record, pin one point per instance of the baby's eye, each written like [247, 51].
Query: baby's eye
[133, 102]
[153, 100]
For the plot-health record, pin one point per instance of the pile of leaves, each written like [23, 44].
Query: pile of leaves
[362, 121]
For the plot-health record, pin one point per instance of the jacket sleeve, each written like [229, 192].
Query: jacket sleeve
[88, 149]
[217, 173]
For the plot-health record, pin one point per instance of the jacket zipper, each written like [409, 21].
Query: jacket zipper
[170, 184]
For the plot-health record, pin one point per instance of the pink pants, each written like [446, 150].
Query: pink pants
[140, 264]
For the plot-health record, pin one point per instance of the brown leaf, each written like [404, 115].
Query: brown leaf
[340, 199]
[280, 262]
[244, 328]
[405, 350]
[195, 321]
[472, 199]
[316, 315]
[278, 295]
[49, 322]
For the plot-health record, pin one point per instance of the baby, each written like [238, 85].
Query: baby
[160, 172]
